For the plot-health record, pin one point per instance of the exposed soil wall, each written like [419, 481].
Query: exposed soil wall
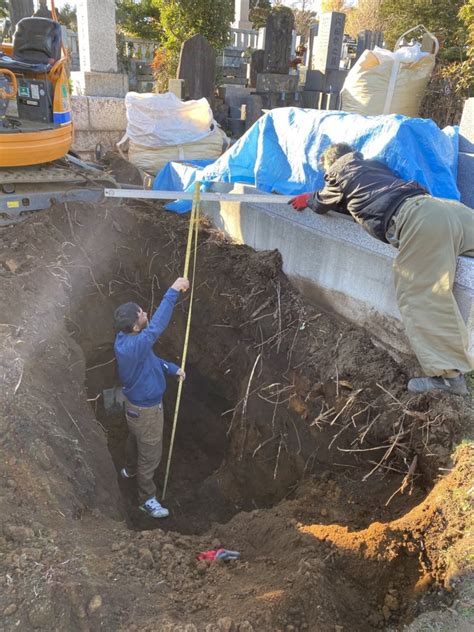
[293, 426]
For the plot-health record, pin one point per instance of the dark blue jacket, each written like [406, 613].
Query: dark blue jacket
[141, 372]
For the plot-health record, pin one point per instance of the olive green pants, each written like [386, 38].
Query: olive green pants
[430, 233]
[144, 446]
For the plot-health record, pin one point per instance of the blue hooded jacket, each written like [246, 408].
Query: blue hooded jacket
[141, 372]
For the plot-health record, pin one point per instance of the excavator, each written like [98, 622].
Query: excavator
[37, 168]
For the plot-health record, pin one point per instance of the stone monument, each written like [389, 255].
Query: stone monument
[312, 37]
[324, 80]
[278, 38]
[368, 40]
[255, 67]
[98, 51]
[327, 53]
[275, 87]
[197, 66]
[241, 18]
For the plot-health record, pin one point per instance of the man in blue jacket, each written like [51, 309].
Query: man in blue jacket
[142, 374]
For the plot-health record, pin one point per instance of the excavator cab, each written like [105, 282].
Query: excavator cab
[35, 109]
[37, 168]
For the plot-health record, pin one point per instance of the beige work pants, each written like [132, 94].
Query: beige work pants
[144, 446]
[430, 233]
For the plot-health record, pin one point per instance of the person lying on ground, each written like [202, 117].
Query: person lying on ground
[429, 233]
[142, 374]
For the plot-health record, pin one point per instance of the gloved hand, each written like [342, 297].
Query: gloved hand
[300, 202]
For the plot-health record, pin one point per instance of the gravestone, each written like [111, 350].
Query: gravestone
[315, 80]
[313, 34]
[241, 13]
[255, 66]
[325, 78]
[270, 82]
[253, 109]
[368, 40]
[278, 39]
[177, 87]
[269, 68]
[99, 74]
[197, 66]
[328, 49]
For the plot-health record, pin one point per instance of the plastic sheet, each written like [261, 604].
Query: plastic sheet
[280, 152]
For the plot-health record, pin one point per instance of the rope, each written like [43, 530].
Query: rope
[192, 236]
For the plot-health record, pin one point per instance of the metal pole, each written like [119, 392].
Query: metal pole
[255, 198]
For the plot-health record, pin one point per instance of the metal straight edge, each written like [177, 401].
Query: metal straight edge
[256, 198]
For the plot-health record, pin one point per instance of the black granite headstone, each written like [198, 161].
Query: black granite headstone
[280, 24]
[256, 66]
[367, 40]
[197, 66]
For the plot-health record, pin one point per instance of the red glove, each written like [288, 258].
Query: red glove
[300, 202]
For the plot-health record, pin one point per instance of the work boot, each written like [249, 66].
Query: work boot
[153, 508]
[124, 473]
[455, 385]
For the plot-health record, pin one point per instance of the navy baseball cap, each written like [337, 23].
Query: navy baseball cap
[126, 316]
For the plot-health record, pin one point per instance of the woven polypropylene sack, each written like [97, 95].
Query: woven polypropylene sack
[367, 85]
[152, 160]
[156, 120]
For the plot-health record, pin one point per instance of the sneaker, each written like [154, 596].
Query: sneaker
[124, 473]
[153, 508]
[455, 385]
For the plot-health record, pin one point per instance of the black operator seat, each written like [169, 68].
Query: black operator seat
[36, 46]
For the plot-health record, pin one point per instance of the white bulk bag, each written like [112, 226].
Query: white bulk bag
[155, 120]
[382, 82]
[153, 159]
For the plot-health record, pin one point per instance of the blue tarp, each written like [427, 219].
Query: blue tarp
[179, 176]
[280, 153]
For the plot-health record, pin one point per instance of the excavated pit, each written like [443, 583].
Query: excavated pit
[297, 443]
[223, 426]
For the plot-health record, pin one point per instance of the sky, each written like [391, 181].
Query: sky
[59, 3]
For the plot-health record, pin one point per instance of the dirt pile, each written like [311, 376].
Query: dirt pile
[297, 445]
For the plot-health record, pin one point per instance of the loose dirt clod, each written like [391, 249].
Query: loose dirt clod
[297, 445]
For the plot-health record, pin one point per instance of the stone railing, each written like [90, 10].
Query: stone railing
[139, 50]
[143, 50]
[242, 39]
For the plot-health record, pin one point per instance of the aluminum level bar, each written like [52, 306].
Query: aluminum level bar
[256, 198]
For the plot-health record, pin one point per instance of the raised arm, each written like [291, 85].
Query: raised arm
[161, 318]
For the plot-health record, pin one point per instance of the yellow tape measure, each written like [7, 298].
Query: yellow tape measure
[193, 232]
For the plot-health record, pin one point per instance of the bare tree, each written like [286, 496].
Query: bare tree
[333, 5]
[303, 20]
[366, 15]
